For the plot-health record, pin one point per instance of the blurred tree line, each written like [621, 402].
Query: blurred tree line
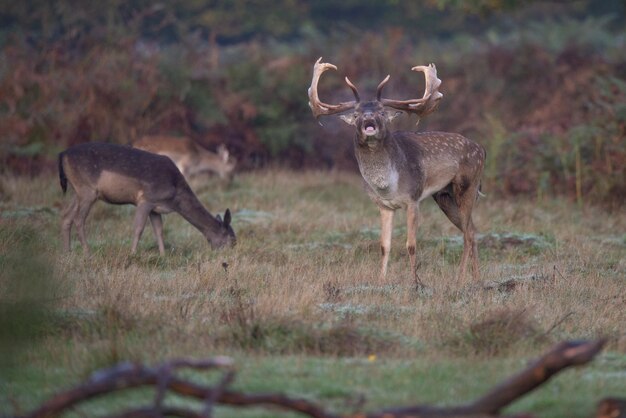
[541, 84]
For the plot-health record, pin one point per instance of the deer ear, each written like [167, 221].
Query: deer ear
[227, 217]
[222, 151]
[350, 119]
[392, 114]
[219, 218]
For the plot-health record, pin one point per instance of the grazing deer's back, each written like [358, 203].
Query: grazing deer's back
[93, 157]
[120, 172]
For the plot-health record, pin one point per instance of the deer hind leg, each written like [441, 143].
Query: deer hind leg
[412, 222]
[461, 216]
[141, 216]
[465, 194]
[67, 219]
[386, 219]
[85, 201]
[157, 227]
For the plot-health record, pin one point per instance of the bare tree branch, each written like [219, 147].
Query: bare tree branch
[563, 355]
[158, 413]
[611, 408]
[127, 375]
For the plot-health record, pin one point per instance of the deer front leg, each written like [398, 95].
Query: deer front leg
[141, 215]
[412, 222]
[157, 227]
[386, 218]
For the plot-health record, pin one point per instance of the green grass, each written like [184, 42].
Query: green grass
[300, 307]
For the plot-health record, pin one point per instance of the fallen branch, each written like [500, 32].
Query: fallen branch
[127, 375]
[555, 325]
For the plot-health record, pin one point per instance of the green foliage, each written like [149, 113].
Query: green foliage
[557, 34]
[544, 95]
[25, 284]
[482, 7]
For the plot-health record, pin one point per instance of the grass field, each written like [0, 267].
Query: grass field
[298, 303]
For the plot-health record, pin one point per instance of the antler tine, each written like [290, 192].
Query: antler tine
[379, 89]
[353, 88]
[429, 102]
[320, 108]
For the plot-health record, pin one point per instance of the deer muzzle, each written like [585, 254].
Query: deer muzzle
[369, 126]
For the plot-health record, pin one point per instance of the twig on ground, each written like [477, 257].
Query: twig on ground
[555, 324]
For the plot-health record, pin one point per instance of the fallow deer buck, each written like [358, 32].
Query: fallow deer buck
[123, 175]
[403, 168]
[191, 158]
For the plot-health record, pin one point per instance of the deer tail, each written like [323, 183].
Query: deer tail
[62, 177]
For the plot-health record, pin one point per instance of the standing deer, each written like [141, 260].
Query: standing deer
[403, 168]
[190, 158]
[122, 175]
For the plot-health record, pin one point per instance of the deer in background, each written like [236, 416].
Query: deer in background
[403, 168]
[191, 158]
[123, 175]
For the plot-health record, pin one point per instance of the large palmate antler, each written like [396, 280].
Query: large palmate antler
[421, 107]
[320, 108]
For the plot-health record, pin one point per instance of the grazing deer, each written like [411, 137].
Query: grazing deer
[402, 168]
[123, 175]
[191, 158]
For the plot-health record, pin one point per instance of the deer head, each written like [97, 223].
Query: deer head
[226, 236]
[371, 118]
[227, 169]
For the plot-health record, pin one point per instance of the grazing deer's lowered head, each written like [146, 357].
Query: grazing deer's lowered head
[191, 158]
[123, 175]
[402, 168]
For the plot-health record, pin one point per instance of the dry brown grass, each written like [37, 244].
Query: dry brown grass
[303, 276]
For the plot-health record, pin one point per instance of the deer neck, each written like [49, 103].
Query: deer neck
[190, 208]
[376, 164]
[202, 164]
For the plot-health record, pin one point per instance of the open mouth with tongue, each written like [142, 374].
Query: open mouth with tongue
[369, 128]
